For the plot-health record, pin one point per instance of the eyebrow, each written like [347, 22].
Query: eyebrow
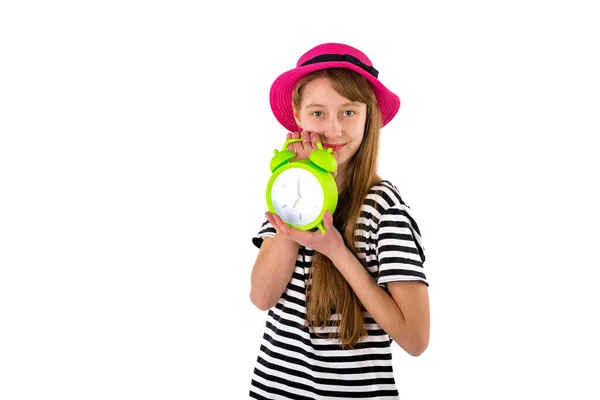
[349, 104]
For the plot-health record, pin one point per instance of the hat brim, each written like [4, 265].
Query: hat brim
[282, 87]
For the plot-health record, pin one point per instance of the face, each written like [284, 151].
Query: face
[339, 122]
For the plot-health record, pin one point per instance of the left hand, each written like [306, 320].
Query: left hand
[325, 243]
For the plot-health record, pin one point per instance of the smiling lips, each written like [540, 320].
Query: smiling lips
[335, 147]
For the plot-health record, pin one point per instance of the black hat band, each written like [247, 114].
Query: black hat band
[342, 57]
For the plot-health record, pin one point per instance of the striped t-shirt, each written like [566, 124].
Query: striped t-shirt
[293, 362]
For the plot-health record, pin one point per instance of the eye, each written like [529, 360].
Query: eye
[317, 112]
[348, 113]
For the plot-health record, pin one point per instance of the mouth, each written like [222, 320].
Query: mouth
[335, 147]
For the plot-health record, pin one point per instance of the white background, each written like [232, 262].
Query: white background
[135, 139]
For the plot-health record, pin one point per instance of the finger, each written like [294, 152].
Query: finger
[283, 228]
[297, 145]
[277, 220]
[328, 220]
[288, 137]
[306, 139]
[277, 223]
[314, 137]
[293, 233]
[271, 219]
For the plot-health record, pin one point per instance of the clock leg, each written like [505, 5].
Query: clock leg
[322, 228]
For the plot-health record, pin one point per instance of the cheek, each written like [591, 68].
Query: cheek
[356, 135]
[355, 129]
[312, 125]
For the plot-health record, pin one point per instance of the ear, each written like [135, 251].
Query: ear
[297, 117]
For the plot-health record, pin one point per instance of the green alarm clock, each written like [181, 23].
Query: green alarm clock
[300, 191]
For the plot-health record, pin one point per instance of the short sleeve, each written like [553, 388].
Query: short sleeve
[400, 250]
[266, 230]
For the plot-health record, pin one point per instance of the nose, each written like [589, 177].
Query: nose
[333, 128]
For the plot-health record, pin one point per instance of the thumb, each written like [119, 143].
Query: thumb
[328, 220]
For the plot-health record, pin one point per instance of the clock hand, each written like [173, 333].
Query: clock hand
[298, 187]
[296, 202]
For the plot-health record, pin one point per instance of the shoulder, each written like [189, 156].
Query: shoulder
[385, 205]
[385, 195]
[393, 211]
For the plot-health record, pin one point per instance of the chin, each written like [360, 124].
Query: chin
[343, 159]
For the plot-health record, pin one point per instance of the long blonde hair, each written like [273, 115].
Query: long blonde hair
[328, 291]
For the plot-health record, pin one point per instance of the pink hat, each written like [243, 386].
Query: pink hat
[329, 55]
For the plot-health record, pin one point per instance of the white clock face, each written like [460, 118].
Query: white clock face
[297, 196]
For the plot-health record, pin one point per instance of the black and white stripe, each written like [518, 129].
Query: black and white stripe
[293, 362]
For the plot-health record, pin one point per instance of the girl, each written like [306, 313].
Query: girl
[337, 300]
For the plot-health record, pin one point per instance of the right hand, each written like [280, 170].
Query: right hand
[306, 146]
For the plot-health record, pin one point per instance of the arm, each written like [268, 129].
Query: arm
[272, 270]
[405, 316]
